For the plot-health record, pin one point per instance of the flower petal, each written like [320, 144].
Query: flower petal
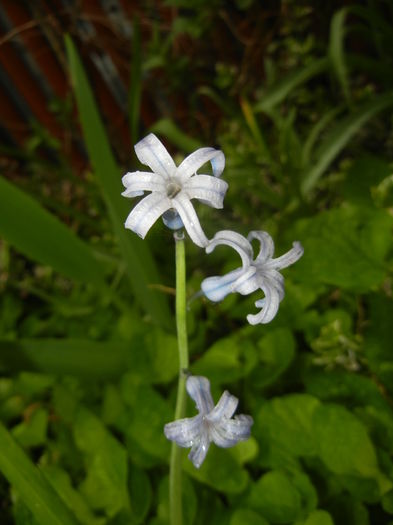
[198, 388]
[185, 432]
[216, 288]
[198, 158]
[235, 241]
[266, 250]
[139, 181]
[172, 220]
[185, 209]
[207, 189]
[248, 282]
[199, 450]
[151, 152]
[146, 212]
[270, 306]
[225, 408]
[288, 258]
[228, 432]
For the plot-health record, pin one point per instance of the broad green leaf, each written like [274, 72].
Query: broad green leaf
[336, 50]
[32, 486]
[343, 443]
[338, 138]
[105, 485]
[220, 471]
[284, 428]
[140, 265]
[276, 498]
[247, 517]
[279, 92]
[319, 517]
[41, 236]
[344, 247]
[140, 491]
[276, 351]
[229, 359]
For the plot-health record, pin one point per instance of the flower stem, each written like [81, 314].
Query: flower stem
[175, 471]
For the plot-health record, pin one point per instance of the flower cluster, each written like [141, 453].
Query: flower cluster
[171, 190]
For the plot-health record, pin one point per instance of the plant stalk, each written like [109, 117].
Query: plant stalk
[175, 469]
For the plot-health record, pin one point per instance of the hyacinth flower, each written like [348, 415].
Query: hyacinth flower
[172, 188]
[259, 273]
[212, 424]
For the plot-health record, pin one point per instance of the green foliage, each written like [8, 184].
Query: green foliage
[88, 359]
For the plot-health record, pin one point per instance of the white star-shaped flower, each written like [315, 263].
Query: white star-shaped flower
[259, 273]
[213, 423]
[172, 188]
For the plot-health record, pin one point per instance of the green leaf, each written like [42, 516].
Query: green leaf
[42, 237]
[141, 268]
[229, 359]
[284, 427]
[344, 247]
[343, 443]
[32, 432]
[338, 138]
[105, 486]
[276, 498]
[247, 517]
[220, 471]
[140, 491]
[35, 491]
[319, 517]
[279, 92]
[276, 352]
[336, 50]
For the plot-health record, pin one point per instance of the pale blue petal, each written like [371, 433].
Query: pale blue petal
[151, 152]
[199, 450]
[198, 388]
[225, 408]
[228, 432]
[146, 212]
[198, 158]
[209, 190]
[288, 258]
[139, 181]
[270, 307]
[185, 209]
[266, 250]
[248, 282]
[235, 241]
[217, 288]
[185, 432]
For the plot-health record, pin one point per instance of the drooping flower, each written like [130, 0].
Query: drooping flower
[212, 424]
[259, 273]
[172, 188]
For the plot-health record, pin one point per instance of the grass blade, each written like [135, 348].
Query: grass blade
[280, 91]
[336, 50]
[33, 488]
[41, 236]
[338, 138]
[141, 268]
[169, 129]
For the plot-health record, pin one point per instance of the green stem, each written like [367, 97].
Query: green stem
[175, 472]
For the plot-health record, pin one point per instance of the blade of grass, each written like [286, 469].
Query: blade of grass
[280, 91]
[252, 124]
[141, 268]
[336, 51]
[41, 236]
[338, 138]
[31, 485]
